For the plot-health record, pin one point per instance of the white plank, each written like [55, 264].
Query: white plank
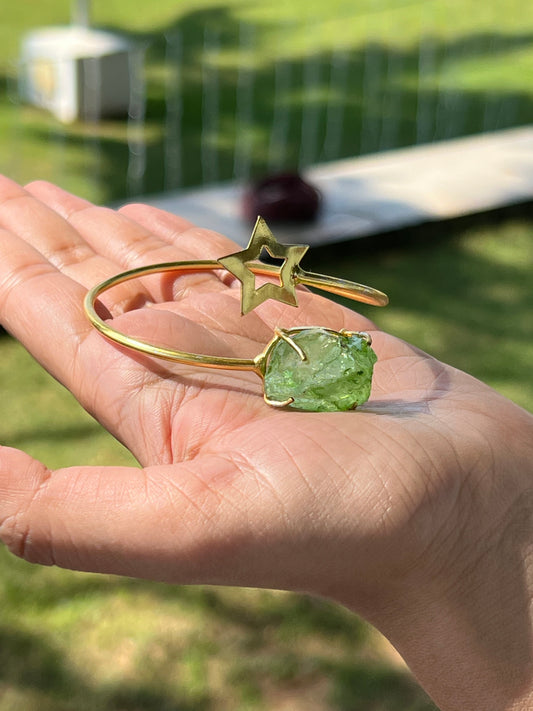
[387, 191]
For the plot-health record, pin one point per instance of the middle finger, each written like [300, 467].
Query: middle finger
[131, 243]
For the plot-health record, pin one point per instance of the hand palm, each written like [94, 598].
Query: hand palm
[232, 491]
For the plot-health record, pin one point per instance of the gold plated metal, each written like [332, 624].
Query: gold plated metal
[239, 265]
[245, 267]
[283, 334]
[362, 334]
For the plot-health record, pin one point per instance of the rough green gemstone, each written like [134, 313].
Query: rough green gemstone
[335, 375]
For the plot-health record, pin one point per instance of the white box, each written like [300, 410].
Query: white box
[76, 72]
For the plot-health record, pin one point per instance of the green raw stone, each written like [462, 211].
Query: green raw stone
[336, 375]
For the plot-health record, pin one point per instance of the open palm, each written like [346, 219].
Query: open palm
[230, 490]
[414, 510]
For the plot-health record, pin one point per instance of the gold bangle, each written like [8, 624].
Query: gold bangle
[353, 347]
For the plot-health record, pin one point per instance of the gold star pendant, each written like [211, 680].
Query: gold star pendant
[237, 263]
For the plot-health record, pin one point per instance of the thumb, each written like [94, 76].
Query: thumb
[162, 523]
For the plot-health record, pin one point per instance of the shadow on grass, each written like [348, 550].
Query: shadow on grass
[280, 642]
[293, 614]
[28, 663]
[363, 688]
[282, 112]
[31, 666]
[53, 434]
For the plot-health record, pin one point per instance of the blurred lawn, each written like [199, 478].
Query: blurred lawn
[406, 72]
[463, 293]
[78, 642]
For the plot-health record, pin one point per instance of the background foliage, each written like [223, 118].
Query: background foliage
[237, 88]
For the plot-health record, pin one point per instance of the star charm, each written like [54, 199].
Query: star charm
[237, 263]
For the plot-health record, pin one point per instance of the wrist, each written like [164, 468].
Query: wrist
[468, 638]
[462, 615]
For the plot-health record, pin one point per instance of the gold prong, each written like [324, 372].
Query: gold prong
[278, 403]
[281, 333]
[360, 334]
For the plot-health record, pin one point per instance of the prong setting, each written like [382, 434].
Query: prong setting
[278, 403]
[284, 335]
[360, 334]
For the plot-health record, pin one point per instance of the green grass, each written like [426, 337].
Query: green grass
[79, 642]
[463, 66]
[462, 293]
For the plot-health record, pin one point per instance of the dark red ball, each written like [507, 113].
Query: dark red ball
[286, 197]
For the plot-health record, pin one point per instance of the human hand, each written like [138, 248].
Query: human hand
[386, 509]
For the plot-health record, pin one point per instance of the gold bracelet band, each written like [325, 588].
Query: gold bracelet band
[243, 266]
[341, 287]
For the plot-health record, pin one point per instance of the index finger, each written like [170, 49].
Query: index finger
[41, 307]
[44, 229]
